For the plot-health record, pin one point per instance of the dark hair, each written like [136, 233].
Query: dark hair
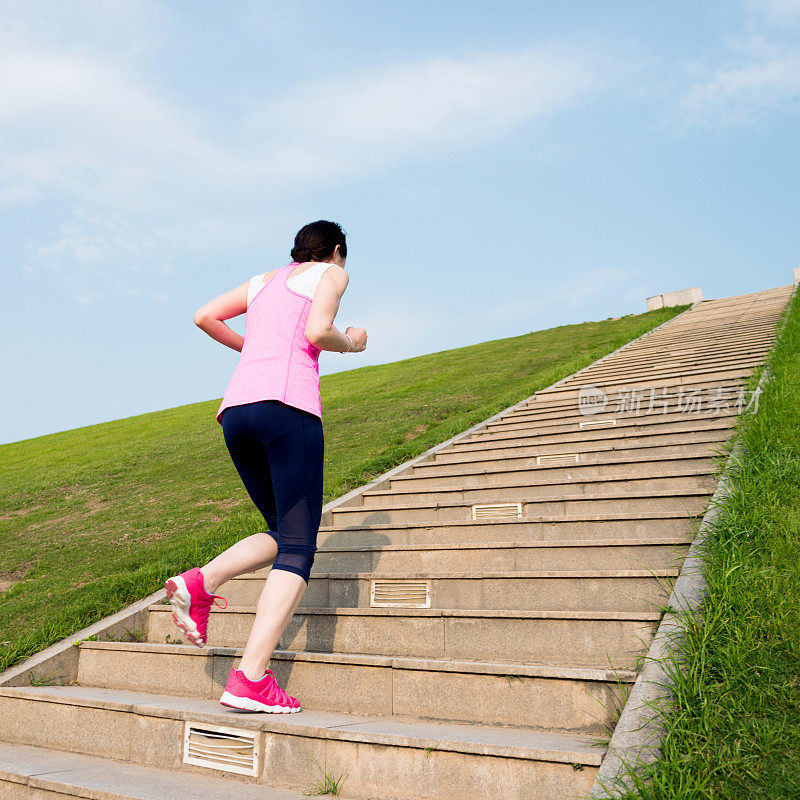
[317, 240]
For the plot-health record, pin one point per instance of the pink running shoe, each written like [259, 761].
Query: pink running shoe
[191, 604]
[261, 695]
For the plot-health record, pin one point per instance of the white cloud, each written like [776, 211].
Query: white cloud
[760, 75]
[426, 107]
[88, 297]
[776, 10]
[85, 126]
[742, 95]
[123, 27]
[142, 180]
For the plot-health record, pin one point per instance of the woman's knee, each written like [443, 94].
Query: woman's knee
[297, 558]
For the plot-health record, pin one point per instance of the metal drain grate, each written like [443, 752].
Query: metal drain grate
[595, 422]
[216, 747]
[494, 510]
[400, 594]
[562, 458]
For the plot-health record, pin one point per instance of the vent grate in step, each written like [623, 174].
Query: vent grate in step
[217, 747]
[596, 422]
[560, 458]
[400, 594]
[495, 510]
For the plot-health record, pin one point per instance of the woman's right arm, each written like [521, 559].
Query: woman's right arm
[210, 316]
[320, 330]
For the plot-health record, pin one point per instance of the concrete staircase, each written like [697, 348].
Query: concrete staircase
[470, 623]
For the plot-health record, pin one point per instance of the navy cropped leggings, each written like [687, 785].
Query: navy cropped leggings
[277, 450]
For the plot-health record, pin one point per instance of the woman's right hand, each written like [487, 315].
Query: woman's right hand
[359, 337]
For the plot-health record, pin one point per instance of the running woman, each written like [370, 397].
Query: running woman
[271, 420]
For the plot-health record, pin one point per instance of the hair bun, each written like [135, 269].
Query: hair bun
[318, 240]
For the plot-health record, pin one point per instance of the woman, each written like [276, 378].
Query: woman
[272, 424]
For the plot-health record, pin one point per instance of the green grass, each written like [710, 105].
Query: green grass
[732, 722]
[328, 785]
[96, 518]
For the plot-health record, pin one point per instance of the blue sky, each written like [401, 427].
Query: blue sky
[499, 168]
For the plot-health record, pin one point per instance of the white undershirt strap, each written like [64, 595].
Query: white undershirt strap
[305, 283]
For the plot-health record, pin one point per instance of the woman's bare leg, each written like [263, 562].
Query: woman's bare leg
[247, 555]
[279, 599]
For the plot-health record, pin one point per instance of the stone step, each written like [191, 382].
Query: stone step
[497, 556]
[691, 501]
[595, 462]
[701, 334]
[720, 322]
[569, 421]
[704, 317]
[683, 347]
[680, 403]
[28, 772]
[705, 320]
[570, 468]
[709, 345]
[540, 403]
[534, 590]
[622, 432]
[651, 442]
[603, 438]
[703, 331]
[703, 339]
[391, 759]
[595, 428]
[573, 638]
[701, 381]
[651, 368]
[578, 700]
[686, 357]
[554, 470]
[556, 528]
[516, 487]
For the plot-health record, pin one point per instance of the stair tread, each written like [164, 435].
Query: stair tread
[548, 498]
[614, 516]
[621, 516]
[538, 543]
[525, 484]
[517, 742]
[475, 575]
[94, 777]
[627, 424]
[600, 462]
[626, 420]
[397, 662]
[441, 612]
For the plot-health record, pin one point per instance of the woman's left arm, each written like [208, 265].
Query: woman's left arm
[210, 316]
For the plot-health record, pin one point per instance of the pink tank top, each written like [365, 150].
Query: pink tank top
[277, 362]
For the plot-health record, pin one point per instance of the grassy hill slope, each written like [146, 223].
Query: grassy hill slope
[95, 518]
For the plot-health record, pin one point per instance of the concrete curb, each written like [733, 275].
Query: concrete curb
[637, 737]
[59, 662]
